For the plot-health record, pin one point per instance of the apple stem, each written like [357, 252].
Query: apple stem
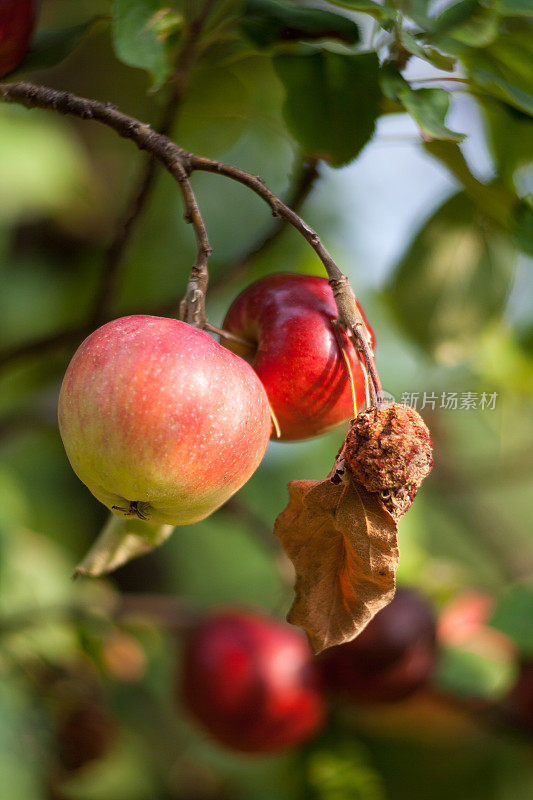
[227, 335]
[352, 384]
[338, 337]
[121, 540]
[274, 421]
[368, 402]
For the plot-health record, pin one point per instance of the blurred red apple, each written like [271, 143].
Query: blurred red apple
[17, 20]
[287, 320]
[393, 656]
[160, 421]
[252, 682]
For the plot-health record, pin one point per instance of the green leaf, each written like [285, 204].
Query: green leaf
[505, 68]
[142, 36]
[513, 616]
[332, 101]
[468, 22]
[453, 280]
[428, 107]
[429, 54]
[51, 46]
[471, 674]
[266, 22]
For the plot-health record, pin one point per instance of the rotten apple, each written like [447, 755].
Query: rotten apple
[287, 320]
[160, 421]
[251, 682]
[17, 20]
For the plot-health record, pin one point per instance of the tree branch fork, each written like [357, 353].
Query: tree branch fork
[181, 164]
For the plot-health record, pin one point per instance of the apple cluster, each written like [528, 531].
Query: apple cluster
[251, 683]
[254, 685]
[163, 423]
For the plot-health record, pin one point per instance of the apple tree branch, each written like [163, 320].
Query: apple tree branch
[181, 164]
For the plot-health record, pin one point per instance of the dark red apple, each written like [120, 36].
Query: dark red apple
[17, 20]
[160, 421]
[252, 682]
[392, 657]
[287, 320]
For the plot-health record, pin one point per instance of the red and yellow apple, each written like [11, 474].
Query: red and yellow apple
[252, 682]
[17, 20]
[287, 319]
[160, 421]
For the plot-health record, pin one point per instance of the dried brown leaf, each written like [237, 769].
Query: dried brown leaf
[343, 544]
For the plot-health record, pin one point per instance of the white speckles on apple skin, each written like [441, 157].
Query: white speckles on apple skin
[152, 410]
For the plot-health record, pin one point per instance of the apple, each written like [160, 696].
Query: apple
[252, 682]
[391, 658]
[17, 20]
[160, 421]
[287, 319]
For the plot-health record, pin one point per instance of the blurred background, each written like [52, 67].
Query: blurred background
[422, 200]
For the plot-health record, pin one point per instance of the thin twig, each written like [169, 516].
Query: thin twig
[179, 162]
[192, 307]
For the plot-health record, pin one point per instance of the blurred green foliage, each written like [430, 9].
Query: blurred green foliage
[265, 91]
